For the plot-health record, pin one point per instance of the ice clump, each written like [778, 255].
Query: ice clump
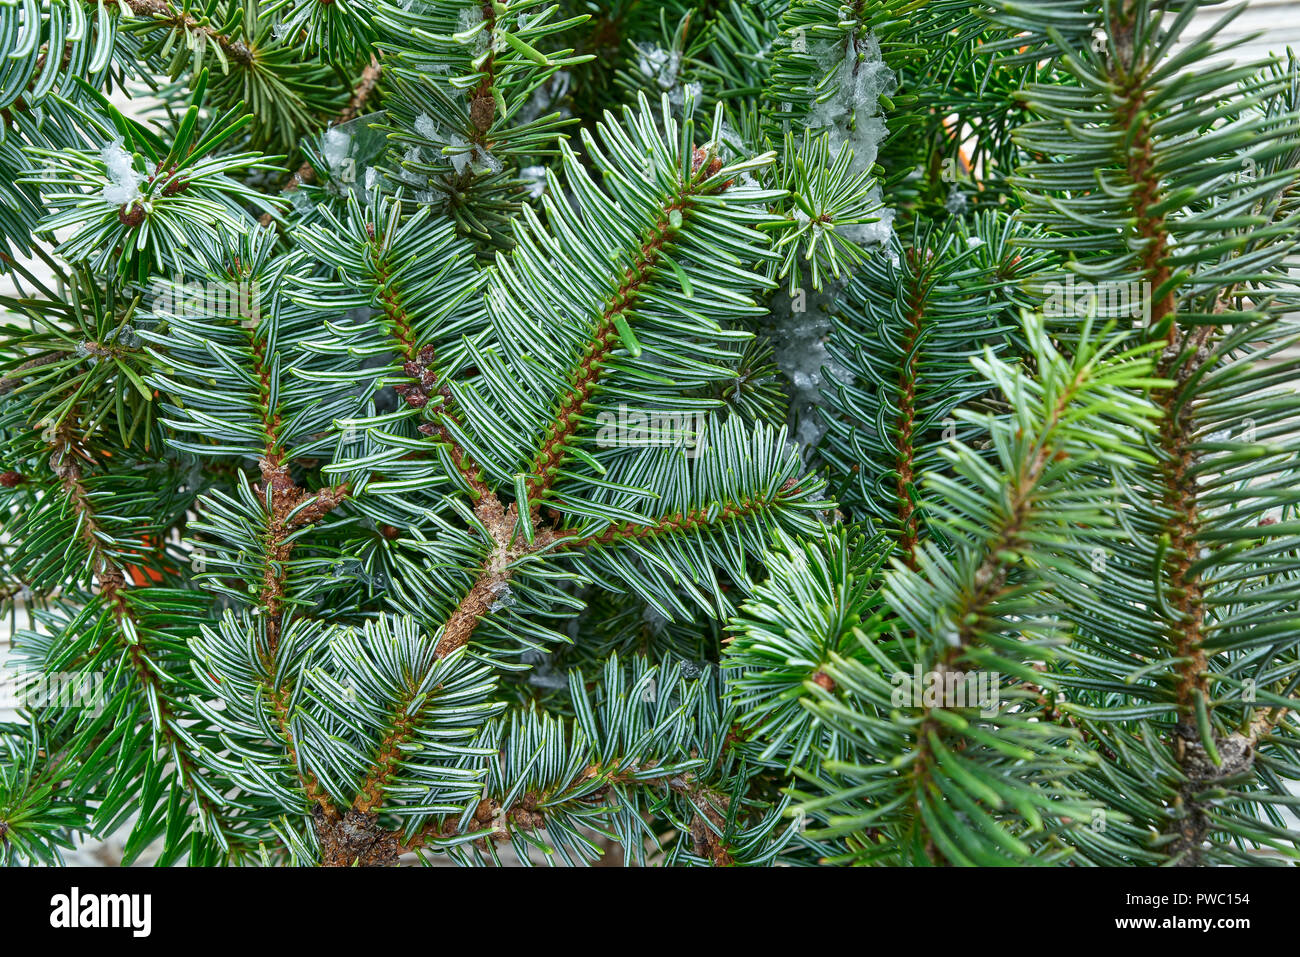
[349, 151]
[469, 19]
[658, 64]
[544, 673]
[413, 155]
[336, 147]
[733, 146]
[851, 112]
[123, 184]
[797, 328]
[426, 127]
[466, 155]
[548, 98]
[502, 597]
[665, 67]
[653, 618]
[851, 116]
[125, 337]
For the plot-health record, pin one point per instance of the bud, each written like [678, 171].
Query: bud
[131, 217]
[482, 110]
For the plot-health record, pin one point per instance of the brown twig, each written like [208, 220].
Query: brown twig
[287, 506]
[1185, 626]
[908, 523]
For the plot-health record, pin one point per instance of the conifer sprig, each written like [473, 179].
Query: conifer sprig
[747, 434]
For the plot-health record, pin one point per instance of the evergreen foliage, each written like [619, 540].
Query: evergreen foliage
[773, 433]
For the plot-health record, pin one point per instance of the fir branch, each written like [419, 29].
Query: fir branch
[1205, 243]
[288, 507]
[33, 825]
[421, 364]
[990, 605]
[498, 416]
[990, 584]
[1183, 361]
[111, 582]
[605, 336]
[637, 737]
[597, 787]
[279, 698]
[483, 98]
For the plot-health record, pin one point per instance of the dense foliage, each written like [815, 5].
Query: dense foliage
[727, 433]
